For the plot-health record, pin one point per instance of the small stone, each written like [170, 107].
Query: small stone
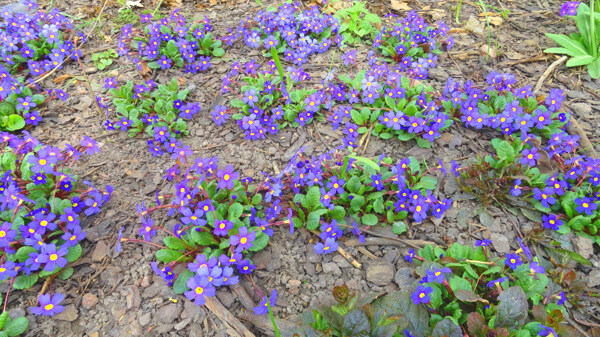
[89, 300]
[584, 246]
[190, 310]
[133, 297]
[182, 324]
[404, 278]
[100, 251]
[294, 283]
[144, 319]
[593, 279]
[313, 257]
[332, 268]
[380, 273]
[168, 313]
[500, 243]
[582, 109]
[69, 314]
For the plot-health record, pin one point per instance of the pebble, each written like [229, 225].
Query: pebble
[182, 324]
[582, 109]
[144, 319]
[593, 279]
[190, 310]
[69, 314]
[100, 251]
[380, 273]
[332, 268]
[168, 313]
[500, 243]
[89, 300]
[404, 278]
[133, 297]
[584, 246]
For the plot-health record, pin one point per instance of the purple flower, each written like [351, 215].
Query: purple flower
[49, 306]
[569, 8]
[516, 189]
[110, 83]
[535, 268]
[262, 308]
[547, 331]
[250, 97]
[436, 275]
[585, 205]
[53, 257]
[25, 103]
[243, 240]
[493, 283]
[227, 177]
[483, 243]
[551, 221]
[513, 261]
[330, 245]
[7, 234]
[200, 288]
[530, 157]
[164, 62]
[421, 294]
[410, 256]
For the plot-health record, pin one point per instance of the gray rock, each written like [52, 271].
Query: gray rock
[313, 257]
[380, 273]
[195, 330]
[100, 251]
[190, 310]
[582, 109]
[16, 312]
[584, 246]
[182, 324]
[168, 313]
[500, 243]
[332, 268]
[593, 279]
[133, 297]
[69, 314]
[404, 278]
[144, 319]
[89, 300]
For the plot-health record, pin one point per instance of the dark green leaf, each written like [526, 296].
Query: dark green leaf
[25, 281]
[66, 273]
[180, 284]
[74, 253]
[167, 255]
[447, 328]
[513, 308]
[16, 326]
[173, 243]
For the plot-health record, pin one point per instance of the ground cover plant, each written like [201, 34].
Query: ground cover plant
[325, 192]
[412, 44]
[220, 223]
[170, 42]
[159, 111]
[33, 44]
[289, 29]
[43, 205]
[104, 59]
[583, 47]
[357, 23]
[458, 290]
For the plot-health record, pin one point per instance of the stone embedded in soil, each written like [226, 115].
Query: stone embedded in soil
[404, 278]
[133, 297]
[380, 273]
[500, 243]
[584, 246]
[182, 324]
[100, 251]
[332, 268]
[89, 300]
[582, 109]
[69, 314]
[168, 313]
[144, 319]
[190, 310]
[593, 279]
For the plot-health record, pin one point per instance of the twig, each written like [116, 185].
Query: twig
[264, 324]
[366, 252]
[575, 325]
[546, 73]
[216, 146]
[243, 296]
[213, 304]
[386, 240]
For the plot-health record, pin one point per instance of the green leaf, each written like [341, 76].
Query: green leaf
[568, 203]
[66, 273]
[312, 198]
[23, 253]
[459, 283]
[6, 109]
[582, 60]
[575, 47]
[74, 253]
[3, 319]
[399, 303]
[580, 222]
[337, 213]
[180, 284]
[369, 220]
[173, 243]
[218, 52]
[367, 162]
[356, 323]
[594, 69]
[559, 50]
[426, 182]
[16, 326]
[25, 281]
[357, 202]
[423, 143]
[313, 220]
[167, 255]
[259, 243]
[235, 211]
[203, 238]
[446, 328]
[503, 149]
[15, 122]
[399, 227]
[513, 308]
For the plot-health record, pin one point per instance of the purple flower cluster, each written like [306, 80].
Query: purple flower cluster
[291, 29]
[34, 41]
[43, 233]
[170, 42]
[503, 107]
[413, 44]
[569, 8]
[265, 106]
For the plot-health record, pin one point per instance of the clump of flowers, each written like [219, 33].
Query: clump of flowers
[265, 103]
[37, 41]
[569, 8]
[329, 189]
[505, 108]
[170, 42]
[560, 184]
[387, 104]
[220, 222]
[289, 29]
[41, 209]
[160, 111]
[413, 45]
[478, 293]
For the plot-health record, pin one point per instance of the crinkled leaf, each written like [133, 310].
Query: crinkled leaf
[74, 253]
[356, 323]
[16, 326]
[447, 328]
[400, 303]
[25, 281]
[180, 284]
[513, 308]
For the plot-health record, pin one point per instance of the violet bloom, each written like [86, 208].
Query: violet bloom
[421, 295]
[25, 103]
[7, 234]
[227, 177]
[437, 275]
[53, 257]
[49, 306]
[569, 8]
[200, 288]
[330, 245]
[243, 240]
[222, 227]
[250, 97]
[262, 308]
[530, 157]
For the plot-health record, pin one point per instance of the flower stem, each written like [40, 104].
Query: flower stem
[277, 334]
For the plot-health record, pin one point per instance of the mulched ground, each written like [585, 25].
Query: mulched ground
[114, 294]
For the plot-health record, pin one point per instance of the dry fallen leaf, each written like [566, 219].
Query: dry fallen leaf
[60, 79]
[400, 5]
[485, 50]
[495, 19]
[132, 3]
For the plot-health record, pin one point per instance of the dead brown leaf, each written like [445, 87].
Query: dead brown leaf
[400, 5]
[60, 79]
[495, 19]
[181, 81]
